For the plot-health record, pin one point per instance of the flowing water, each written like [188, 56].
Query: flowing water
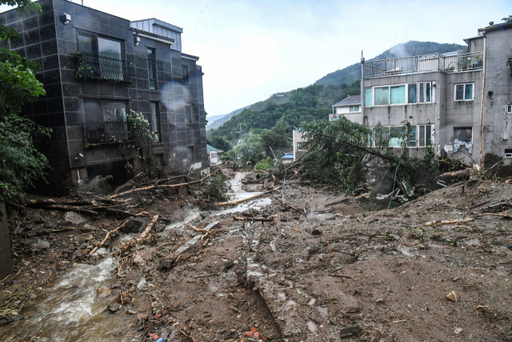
[72, 310]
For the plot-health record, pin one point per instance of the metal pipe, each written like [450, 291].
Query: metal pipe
[482, 102]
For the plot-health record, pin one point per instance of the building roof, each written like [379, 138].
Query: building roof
[210, 148]
[350, 100]
[287, 156]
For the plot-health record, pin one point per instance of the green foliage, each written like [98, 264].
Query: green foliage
[139, 140]
[249, 149]
[264, 164]
[330, 159]
[300, 106]
[277, 137]
[20, 163]
[508, 19]
[340, 151]
[215, 189]
[219, 143]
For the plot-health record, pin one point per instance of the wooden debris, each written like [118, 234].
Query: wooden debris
[288, 205]
[456, 174]
[443, 222]
[106, 237]
[270, 218]
[248, 198]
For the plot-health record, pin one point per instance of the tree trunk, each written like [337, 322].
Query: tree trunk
[5, 244]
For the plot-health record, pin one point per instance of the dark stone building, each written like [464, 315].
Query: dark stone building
[96, 68]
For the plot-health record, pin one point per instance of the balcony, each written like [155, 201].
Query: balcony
[103, 68]
[105, 133]
[424, 63]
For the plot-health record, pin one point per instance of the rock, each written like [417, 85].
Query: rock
[166, 263]
[134, 226]
[457, 331]
[86, 228]
[115, 286]
[103, 291]
[43, 244]
[142, 285]
[42, 232]
[137, 260]
[74, 218]
[452, 296]
[349, 332]
[455, 279]
[114, 307]
[38, 218]
[160, 227]
[317, 231]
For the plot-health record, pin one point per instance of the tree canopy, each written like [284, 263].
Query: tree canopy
[20, 163]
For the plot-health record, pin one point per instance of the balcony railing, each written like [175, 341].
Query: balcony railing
[104, 68]
[106, 133]
[424, 63]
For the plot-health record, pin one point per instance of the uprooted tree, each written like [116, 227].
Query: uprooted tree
[340, 152]
[20, 163]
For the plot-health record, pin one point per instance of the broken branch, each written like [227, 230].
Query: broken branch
[106, 237]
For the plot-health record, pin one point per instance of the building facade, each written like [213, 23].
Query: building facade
[349, 107]
[459, 103]
[96, 68]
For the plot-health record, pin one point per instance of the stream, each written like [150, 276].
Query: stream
[73, 309]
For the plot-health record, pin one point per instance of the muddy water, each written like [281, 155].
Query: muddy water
[71, 310]
[239, 193]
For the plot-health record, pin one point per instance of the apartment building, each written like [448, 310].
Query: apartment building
[96, 68]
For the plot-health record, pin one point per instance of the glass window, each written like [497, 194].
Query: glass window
[412, 93]
[151, 68]
[397, 94]
[425, 92]
[396, 136]
[185, 73]
[155, 121]
[353, 109]
[425, 135]
[368, 97]
[464, 92]
[381, 96]
[188, 114]
[411, 139]
[102, 57]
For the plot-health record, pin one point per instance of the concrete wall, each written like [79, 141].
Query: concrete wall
[497, 123]
[297, 138]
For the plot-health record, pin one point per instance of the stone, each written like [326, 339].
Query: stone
[457, 331]
[452, 296]
[38, 218]
[137, 260]
[134, 226]
[317, 231]
[348, 332]
[42, 232]
[43, 244]
[86, 228]
[103, 291]
[114, 307]
[74, 218]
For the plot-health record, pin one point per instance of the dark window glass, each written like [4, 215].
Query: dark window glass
[152, 68]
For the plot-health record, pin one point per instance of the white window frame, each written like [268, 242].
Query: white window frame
[352, 109]
[417, 86]
[424, 126]
[463, 92]
[509, 109]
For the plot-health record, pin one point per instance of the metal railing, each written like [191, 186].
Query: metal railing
[106, 132]
[105, 68]
[423, 63]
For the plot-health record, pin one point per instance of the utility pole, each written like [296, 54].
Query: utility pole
[362, 86]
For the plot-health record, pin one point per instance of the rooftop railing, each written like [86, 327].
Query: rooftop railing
[104, 68]
[423, 63]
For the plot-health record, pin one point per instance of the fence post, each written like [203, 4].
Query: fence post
[5, 244]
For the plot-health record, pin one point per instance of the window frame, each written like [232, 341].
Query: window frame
[464, 92]
[103, 69]
[155, 121]
[407, 87]
[152, 72]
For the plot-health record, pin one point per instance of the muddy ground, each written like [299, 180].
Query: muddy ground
[318, 267]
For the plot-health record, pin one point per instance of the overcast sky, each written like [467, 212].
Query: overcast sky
[251, 49]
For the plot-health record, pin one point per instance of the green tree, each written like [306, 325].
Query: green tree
[249, 149]
[277, 137]
[20, 163]
[219, 143]
[508, 19]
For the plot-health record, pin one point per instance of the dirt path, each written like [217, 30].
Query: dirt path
[326, 270]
